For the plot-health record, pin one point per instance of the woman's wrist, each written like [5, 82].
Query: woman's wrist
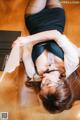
[24, 40]
[32, 39]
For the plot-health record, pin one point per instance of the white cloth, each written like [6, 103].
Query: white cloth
[71, 54]
[17, 54]
[13, 61]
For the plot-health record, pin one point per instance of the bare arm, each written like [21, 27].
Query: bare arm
[55, 35]
[44, 36]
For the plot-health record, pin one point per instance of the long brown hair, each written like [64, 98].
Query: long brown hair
[60, 100]
[74, 83]
[66, 93]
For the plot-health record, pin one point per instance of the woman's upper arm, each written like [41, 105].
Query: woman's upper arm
[35, 6]
[54, 3]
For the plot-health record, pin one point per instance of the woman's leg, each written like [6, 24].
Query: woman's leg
[35, 6]
[53, 3]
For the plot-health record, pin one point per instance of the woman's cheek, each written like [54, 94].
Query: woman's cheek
[41, 69]
[44, 91]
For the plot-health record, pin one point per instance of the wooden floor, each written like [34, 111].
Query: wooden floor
[13, 94]
[72, 28]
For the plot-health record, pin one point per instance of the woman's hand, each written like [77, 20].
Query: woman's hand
[21, 41]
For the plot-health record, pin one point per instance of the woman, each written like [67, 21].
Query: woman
[48, 23]
[49, 16]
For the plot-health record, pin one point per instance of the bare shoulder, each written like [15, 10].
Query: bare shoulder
[54, 3]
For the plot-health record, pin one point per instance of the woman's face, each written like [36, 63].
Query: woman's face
[48, 67]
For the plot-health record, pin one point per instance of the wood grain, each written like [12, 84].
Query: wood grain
[13, 94]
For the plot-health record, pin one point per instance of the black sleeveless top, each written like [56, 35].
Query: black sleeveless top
[46, 19]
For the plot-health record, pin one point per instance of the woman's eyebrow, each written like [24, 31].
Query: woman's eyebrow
[48, 71]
